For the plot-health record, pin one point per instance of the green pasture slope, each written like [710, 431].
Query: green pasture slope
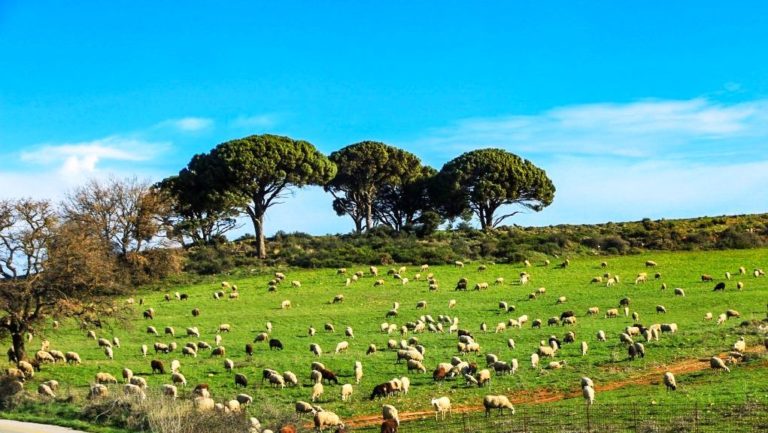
[364, 309]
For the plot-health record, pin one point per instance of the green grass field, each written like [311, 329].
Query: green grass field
[364, 309]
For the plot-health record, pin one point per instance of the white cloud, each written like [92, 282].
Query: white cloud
[258, 121]
[650, 128]
[82, 159]
[188, 124]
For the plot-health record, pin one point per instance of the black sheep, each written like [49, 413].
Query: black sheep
[241, 380]
[157, 366]
[381, 390]
[249, 349]
[329, 376]
[719, 286]
[274, 343]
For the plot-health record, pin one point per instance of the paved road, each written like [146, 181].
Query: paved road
[7, 426]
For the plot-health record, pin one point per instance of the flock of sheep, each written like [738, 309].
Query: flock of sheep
[409, 349]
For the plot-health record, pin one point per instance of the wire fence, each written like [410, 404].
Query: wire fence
[600, 418]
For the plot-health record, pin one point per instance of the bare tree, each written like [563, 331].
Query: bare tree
[26, 229]
[46, 267]
[127, 213]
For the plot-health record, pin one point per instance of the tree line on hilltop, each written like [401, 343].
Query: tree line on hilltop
[372, 183]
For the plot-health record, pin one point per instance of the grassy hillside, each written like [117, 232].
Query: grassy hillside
[364, 309]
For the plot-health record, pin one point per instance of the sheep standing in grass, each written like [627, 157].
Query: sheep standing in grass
[317, 391]
[584, 348]
[327, 419]
[718, 364]
[679, 291]
[346, 392]
[178, 378]
[500, 402]
[390, 412]
[358, 371]
[669, 381]
[740, 346]
[105, 378]
[442, 405]
[589, 395]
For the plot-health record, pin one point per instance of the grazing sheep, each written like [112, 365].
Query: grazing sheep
[72, 358]
[127, 374]
[669, 381]
[346, 392]
[660, 309]
[732, 313]
[315, 349]
[327, 419]
[45, 391]
[584, 348]
[275, 344]
[105, 378]
[534, 360]
[650, 264]
[421, 305]
[390, 412]
[218, 351]
[718, 364]
[669, 327]
[740, 346]
[342, 347]
[556, 365]
[130, 389]
[706, 277]
[178, 378]
[285, 305]
[53, 384]
[586, 381]
[203, 404]
[108, 352]
[601, 335]
[98, 391]
[317, 391]
[589, 395]
[416, 365]
[612, 312]
[302, 407]
[500, 402]
[679, 291]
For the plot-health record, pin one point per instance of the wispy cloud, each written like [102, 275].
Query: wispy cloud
[188, 124]
[649, 128]
[257, 121]
[78, 159]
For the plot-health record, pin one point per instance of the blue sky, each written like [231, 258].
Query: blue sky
[635, 109]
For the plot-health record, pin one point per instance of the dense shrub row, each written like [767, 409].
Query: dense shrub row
[503, 245]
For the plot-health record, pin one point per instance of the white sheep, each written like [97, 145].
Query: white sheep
[500, 402]
[390, 412]
[315, 349]
[327, 419]
[442, 405]
[669, 381]
[718, 364]
[179, 378]
[45, 391]
[170, 391]
[740, 346]
[346, 392]
[342, 347]
[534, 360]
[452, 303]
[144, 350]
[584, 348]
[358, 371]
[317, 391]
[589, 395]
[285, 305]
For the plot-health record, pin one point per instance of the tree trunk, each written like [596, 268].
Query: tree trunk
[17, 338]
[258, 228]
[369, 215]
